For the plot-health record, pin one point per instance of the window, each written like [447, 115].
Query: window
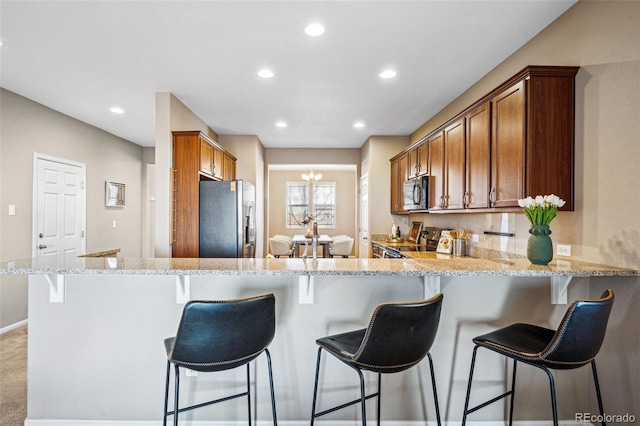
[321, 204]
[324, 204]
[297, 198]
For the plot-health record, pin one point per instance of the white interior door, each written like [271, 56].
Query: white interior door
[59, 208]
[364, 217]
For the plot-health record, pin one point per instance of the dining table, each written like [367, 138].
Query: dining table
[299, 239]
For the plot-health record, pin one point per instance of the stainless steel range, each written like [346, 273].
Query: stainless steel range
[428, 241]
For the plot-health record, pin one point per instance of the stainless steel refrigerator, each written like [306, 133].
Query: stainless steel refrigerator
[227, 219]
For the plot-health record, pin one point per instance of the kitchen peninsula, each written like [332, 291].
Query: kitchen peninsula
[105, 337]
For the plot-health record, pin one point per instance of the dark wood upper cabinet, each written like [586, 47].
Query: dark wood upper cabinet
[478, 138]
[516, 141]
[436, 166]
[454, 165]
[399, 174]
[507, 147]
[418, 161]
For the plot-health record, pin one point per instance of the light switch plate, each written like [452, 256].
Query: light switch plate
[12, 210]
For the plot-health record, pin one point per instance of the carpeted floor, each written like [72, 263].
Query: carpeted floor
[13, 377]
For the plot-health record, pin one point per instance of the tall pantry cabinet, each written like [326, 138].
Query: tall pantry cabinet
[196, 157]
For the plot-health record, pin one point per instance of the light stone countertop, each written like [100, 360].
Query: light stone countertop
[420, 264]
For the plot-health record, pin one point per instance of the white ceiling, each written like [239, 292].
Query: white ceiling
[83, 57]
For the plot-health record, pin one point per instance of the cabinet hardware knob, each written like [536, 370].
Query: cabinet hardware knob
[42, 246]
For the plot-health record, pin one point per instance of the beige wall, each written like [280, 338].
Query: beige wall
[346, 201]
[28, 128]
[171, 115]
[250, 168]
[376, 153]
[316, 158]
[603, 38]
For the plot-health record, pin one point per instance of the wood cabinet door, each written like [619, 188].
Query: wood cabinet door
[423, 159]
[507, 146]
[413, 163]
[403, 175]
[206, 157]
[395, 187]
[436, 167]
[228, 169]
[454, 165]
[186, 207]
[478, 133]
[218, 164]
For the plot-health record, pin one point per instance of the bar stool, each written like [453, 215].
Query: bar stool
[398, 337]
[221, 335]
[574, 344]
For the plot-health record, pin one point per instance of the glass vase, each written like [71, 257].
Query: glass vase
[539, 246]
[309, 233]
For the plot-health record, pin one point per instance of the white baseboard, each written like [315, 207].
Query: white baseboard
[13, 326]
[49, 422]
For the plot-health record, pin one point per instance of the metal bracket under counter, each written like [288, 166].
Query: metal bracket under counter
[559, 286]
[183, 289]
[56, 288]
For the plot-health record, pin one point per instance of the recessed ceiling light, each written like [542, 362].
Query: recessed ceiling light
[314, 30]
[117, 110]
[281, 124]
[265, 73]
[388, 74]
[358, 124]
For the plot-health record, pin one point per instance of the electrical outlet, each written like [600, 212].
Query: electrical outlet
[475, 238]
[564, 250]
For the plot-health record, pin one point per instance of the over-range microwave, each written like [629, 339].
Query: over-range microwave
[414, 193]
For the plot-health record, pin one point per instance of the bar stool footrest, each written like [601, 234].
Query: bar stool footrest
[345, 405]
[491, 401]
[204, 404]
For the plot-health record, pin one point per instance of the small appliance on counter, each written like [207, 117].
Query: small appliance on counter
[227, 219]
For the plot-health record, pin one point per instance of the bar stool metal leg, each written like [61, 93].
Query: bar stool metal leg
[552, 385]
[433, 385]
[249, 393]
[273, 395]
[379, 384]
[315, 388]
[598, 394]
[166, 394]
[363, 398]
[513, 391]
[466, 401]
[175, 405]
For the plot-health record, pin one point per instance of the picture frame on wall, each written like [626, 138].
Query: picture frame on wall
[114, 194]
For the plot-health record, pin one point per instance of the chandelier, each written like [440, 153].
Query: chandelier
[311, 177]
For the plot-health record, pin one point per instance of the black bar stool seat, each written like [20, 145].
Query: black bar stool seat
[398, 337]
[217, 335]
[574, 344]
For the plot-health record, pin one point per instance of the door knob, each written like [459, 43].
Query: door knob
[42, 246]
